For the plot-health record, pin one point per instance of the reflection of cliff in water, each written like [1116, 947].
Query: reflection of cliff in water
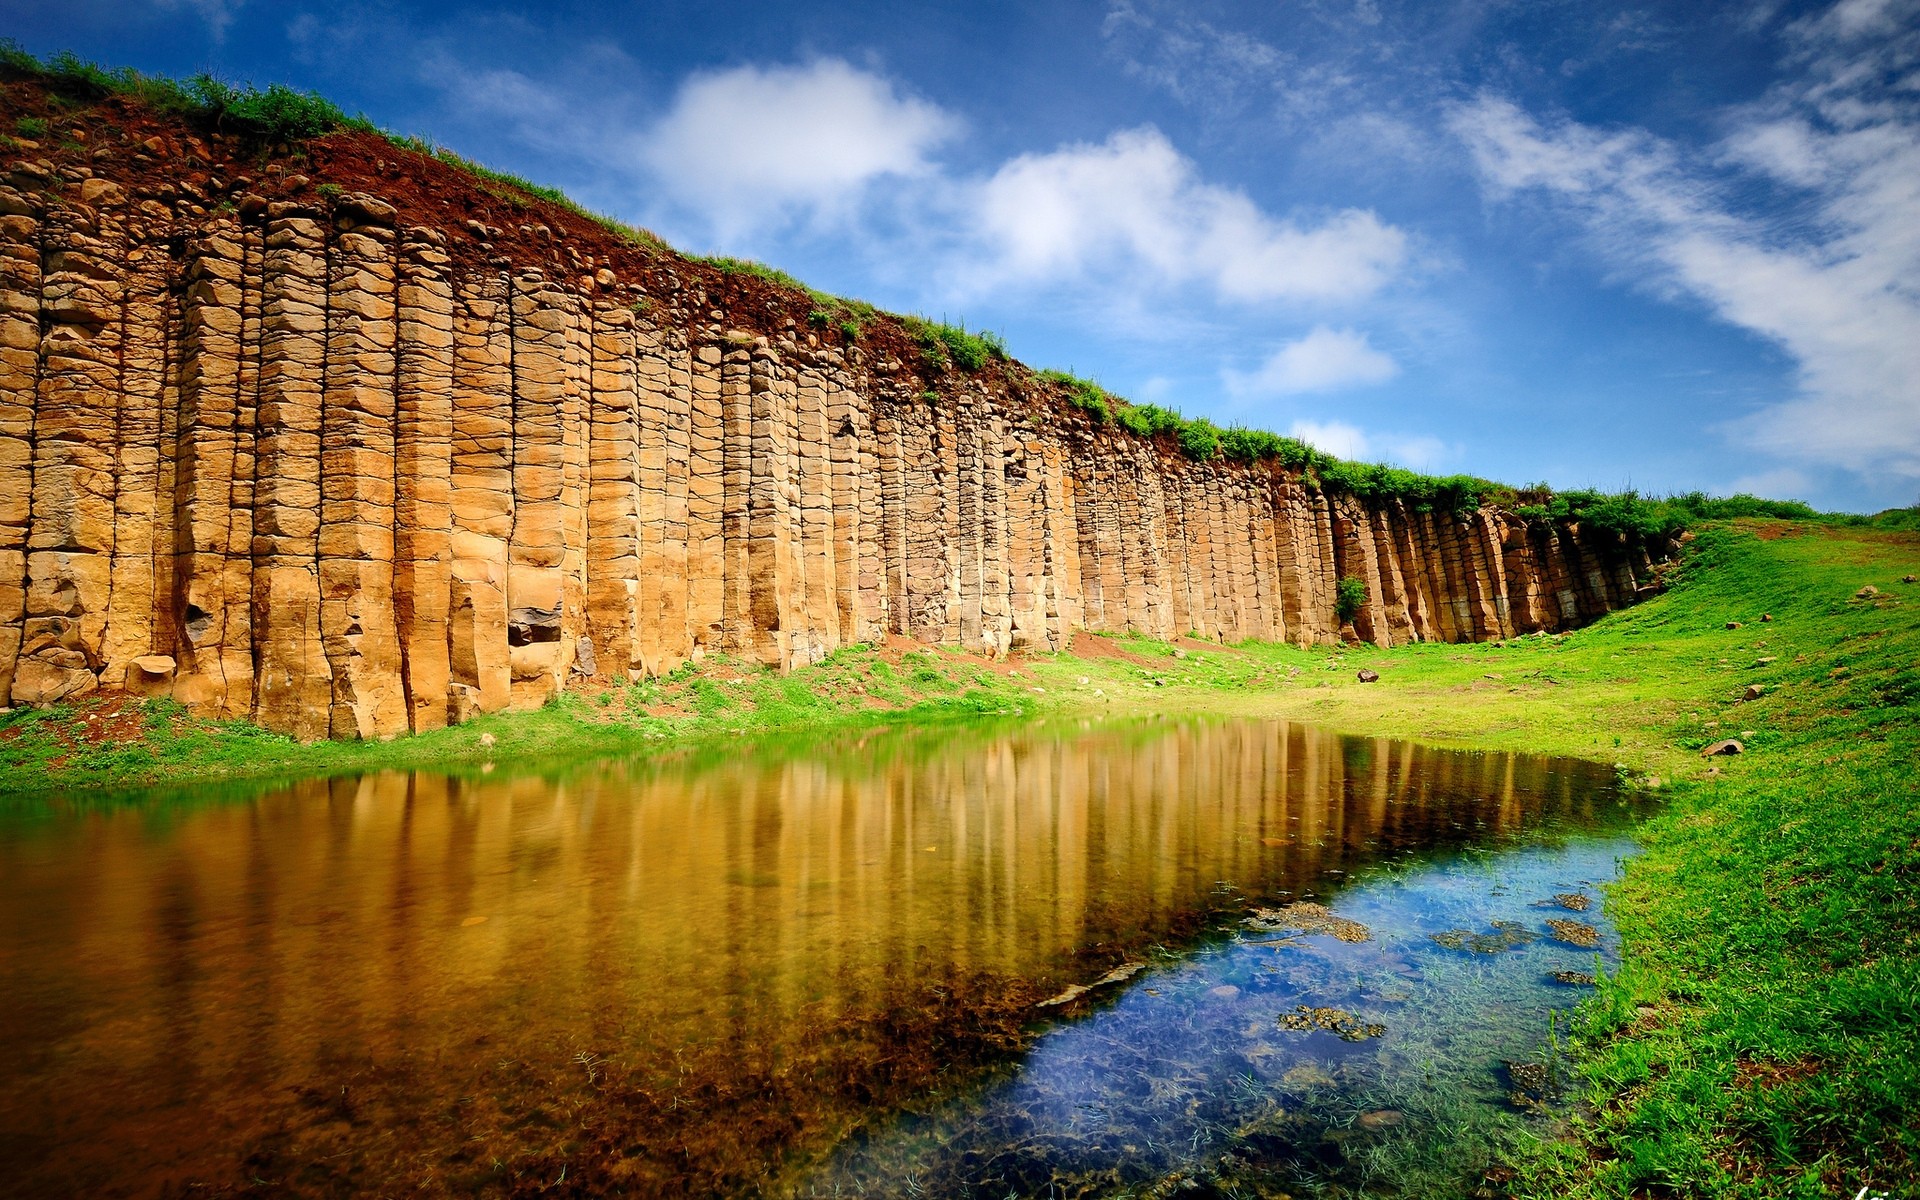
[660, 977]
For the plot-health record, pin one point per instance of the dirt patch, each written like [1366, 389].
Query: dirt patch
[92, 721]
[1087, 645]
[1748, 1073]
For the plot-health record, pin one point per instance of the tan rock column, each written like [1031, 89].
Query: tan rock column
[926, 510]
[1449, 609]
[138, 504]
[481, 480]
[576, 477]
[616, 499]
[871, 613]
[736, 507]
[20, 285]
[208, 382]
[1222, 534]
[996, 578]
[1393, 573]
[1413, 578]
[966, 518]
[295, 680]
[771, 577]
[236, 626]
[892, 513]
[357, 626]
[819, 549]
[1095, 521]
[70, 542]
[951, 544]
[423, 476]
[654, 414]
[537, 553]
[677, 546]
[1322, 575]
[1173, 491]
[706, 503]
[1068, 595]
[845, 439]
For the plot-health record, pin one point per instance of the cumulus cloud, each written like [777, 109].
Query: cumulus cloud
[218, 14]
[1134, 202]
[1322, 361]
[1834, 285]
[752, 144]
[1349, 441]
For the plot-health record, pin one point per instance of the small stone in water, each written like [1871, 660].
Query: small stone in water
[1574, 978]
[1382, 1118]
[1573, 900]
[1576, 933]
[1505, 936]
[1225, 991]
[1307, 1075]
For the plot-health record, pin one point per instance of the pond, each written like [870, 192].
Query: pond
[1212, 957]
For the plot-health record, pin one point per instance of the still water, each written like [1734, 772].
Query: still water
[845, 969]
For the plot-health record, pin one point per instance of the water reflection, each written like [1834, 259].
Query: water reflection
[663, 978]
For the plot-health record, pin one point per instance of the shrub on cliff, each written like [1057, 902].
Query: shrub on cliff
[1348, 597]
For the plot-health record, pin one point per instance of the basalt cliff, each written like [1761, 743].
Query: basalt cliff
[347, 441]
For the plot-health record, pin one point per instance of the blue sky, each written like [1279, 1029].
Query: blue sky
[1667, 246]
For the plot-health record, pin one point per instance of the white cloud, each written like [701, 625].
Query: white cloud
[1335, 437]
[753, 145]
[218, 14]
[1781, 483]
[1349, 441]
[1135, 203]
[1837, 285]
[1322, 361]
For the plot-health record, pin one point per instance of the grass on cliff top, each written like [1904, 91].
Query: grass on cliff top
[1763, 1036]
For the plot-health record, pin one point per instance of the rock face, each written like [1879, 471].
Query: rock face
[324, 463]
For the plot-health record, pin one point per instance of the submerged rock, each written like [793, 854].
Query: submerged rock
[1575, 901]
[1337, 1021]
[1531, 1084]
[1307, 917]
[1506, 935]
[1119, 974]
[1307, 1075]
[1574, 978]
[1574, 933]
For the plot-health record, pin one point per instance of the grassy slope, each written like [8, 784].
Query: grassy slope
[1762, 1040]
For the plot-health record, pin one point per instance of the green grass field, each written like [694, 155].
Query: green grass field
[1763, 1036]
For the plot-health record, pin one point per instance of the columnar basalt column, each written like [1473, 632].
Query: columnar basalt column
[423, 475]
[20, 228]
[294, 683]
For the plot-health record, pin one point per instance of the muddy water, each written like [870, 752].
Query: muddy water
[791, 971]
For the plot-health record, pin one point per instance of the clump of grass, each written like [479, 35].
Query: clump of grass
[943, 346]
[276, 113]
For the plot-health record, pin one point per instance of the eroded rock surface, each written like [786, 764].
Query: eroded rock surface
[376, 458]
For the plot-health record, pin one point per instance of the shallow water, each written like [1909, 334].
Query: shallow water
[814, 971]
